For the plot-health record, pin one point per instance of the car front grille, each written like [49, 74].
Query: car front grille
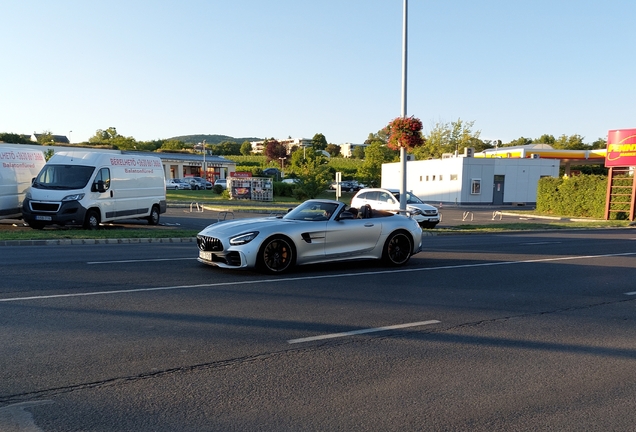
[429, 212]
[211, 244]
[45, 207]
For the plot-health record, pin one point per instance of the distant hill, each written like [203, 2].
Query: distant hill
[211, 139]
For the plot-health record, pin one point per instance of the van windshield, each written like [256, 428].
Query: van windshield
[63, 177]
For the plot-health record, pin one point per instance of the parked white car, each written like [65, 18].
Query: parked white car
[221, 182]
[389, 199]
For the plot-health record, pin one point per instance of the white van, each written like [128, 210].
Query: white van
[18, 167]
[87, 188]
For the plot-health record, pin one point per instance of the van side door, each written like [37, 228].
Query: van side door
[103, 193]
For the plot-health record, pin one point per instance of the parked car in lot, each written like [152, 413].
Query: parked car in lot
[197, 183]
[177, 184]
[389, 199]
[221, 182]
[347, 186]
[316, 231]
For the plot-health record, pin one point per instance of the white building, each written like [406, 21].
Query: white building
[289, 143]
[472, 181]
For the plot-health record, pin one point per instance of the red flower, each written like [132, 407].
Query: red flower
[405, 132]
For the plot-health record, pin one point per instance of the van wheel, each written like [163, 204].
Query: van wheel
[92, 220]
[36, 225]
[153, 219]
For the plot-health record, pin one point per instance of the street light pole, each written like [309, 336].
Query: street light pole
[404, 69]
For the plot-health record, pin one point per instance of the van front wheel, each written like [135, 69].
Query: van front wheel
[92, 220]
[153, 219]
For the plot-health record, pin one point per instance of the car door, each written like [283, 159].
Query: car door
[352, 237]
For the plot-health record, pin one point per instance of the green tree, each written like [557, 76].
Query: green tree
[319, 142]
[572, 142]
[12, 138]
[600, 143]
[333, 150]
[519, 142]
[104, 136]
[45, 138]
[173, 145]
[313, 175]
[545, 139]
[246, 148]
[374, 156]
[358, 152]
[450, 138]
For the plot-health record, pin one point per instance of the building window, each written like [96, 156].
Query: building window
[453, 177]
[433, 178]
[475, 186]
[426, 178]
[440, 177]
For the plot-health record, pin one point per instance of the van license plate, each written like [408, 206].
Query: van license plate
[44, 218]
[205, 255]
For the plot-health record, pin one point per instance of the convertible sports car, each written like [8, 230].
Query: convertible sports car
[315, 231]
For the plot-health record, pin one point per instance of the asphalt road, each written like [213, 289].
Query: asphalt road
[530, 331]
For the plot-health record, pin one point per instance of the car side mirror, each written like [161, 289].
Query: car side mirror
[99, 186]
[346, 215]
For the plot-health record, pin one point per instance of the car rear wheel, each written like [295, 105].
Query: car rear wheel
[397, 249]
[276, 255]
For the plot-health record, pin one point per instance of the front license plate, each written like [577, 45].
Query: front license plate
[44, 218]
[205, 255]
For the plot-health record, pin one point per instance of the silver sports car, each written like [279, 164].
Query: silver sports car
[316, 231]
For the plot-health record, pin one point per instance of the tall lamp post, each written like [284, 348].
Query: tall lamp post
[404, 68]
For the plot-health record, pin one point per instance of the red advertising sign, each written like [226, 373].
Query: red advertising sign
[241, 174]
[621, 148]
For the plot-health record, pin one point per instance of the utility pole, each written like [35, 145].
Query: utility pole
[404, 69]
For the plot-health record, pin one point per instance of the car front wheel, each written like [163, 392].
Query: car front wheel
[276, 255]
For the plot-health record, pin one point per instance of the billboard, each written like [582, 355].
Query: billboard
[621, 148]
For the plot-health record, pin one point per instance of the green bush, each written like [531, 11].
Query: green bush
[580, 196]
[283, 189]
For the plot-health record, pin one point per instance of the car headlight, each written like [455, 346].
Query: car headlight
[243, 238]
[74, 197]
[28, 195]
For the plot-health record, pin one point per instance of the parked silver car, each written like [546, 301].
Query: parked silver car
[197, 183]
[389, 199]
[177, 184]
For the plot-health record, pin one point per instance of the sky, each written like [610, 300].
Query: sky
[280, 68]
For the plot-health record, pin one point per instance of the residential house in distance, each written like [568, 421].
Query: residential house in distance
[57, 139]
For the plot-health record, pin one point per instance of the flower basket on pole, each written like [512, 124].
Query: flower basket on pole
[405, 132]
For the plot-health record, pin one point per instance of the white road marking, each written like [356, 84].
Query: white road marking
[363, 331]
[139, 260]
[630, 293]
[306, 278]
[16, 417]
[540, 243]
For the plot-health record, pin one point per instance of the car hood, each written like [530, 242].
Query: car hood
[422, 207]
[237, 226]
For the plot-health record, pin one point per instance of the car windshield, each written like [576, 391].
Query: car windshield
[63, 177]
[410, 198]
[312, 211]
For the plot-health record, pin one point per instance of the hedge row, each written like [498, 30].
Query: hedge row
[579, 196]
